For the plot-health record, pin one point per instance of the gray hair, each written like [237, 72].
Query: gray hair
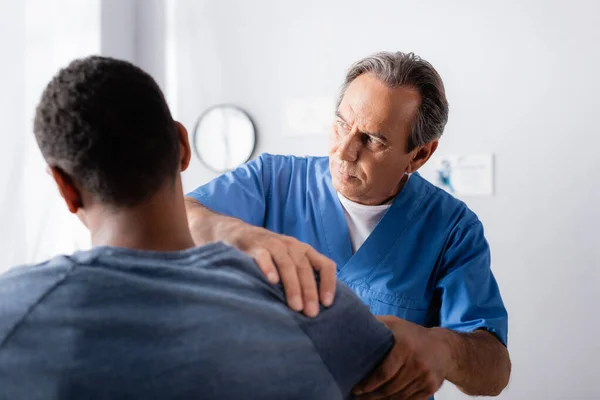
[408, 70]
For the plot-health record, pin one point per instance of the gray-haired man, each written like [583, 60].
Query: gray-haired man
[416, 255]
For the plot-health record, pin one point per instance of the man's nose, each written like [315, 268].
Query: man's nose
[349, 148]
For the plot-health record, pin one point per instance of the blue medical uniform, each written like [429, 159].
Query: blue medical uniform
[427, 261]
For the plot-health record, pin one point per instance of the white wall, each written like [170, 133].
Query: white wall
[522, 78]
[134, 30]
[37, 37]
[12, 100]
[56, 32]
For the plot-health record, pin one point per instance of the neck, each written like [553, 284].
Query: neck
[384, 199]
[159, 224]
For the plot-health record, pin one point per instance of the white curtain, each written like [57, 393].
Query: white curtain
[37, 37]
[12, 138]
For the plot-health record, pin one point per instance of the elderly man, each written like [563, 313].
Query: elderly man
[416, 255]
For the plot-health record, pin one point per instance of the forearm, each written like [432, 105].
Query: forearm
[481, 364]
[207, 226]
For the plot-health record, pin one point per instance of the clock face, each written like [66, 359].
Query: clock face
[224, 138]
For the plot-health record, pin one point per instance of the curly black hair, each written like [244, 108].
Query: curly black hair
[106, 124]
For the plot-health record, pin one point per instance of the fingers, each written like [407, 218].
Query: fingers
[418, 396]
[383, 374]
[308, 286]
[327, 272]
[400, 388]
[415, 390]
[404, 385]
[265, 263]
[422, 388]
[372, 396]
[300, 291]
[289, 279]
[292, 262]
[388, 320]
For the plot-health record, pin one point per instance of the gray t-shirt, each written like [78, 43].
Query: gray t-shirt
[114, 323]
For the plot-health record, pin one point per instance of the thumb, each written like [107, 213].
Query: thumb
[387, 320]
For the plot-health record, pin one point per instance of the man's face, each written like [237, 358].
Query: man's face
[369, 139]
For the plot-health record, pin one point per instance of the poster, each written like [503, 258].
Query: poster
[463, 175]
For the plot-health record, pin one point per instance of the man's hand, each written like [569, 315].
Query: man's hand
[284, 258]
[281, 258]
[422, 358]
[414, 369]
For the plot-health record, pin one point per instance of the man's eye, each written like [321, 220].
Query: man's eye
[343, 125]
[372, 140]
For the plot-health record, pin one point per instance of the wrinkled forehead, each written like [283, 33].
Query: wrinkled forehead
[374, 107]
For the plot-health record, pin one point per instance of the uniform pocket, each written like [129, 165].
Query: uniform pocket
[416, 315]
[419, 311]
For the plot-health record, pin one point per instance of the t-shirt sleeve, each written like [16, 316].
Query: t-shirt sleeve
[240, 193]
[23, 288]
[349, 339]
[469, 293]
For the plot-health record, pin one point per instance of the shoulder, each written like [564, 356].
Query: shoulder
[280, 160]
[364, 341]
[23, 288]
[289, 168]
[34, 272]
[218, 255]
[233, 267]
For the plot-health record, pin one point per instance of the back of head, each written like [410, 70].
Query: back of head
[106, 124]
[397, 69]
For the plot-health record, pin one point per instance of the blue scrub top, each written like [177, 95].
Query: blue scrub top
[427, 261]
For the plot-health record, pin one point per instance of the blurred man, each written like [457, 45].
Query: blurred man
[408, 249]
[145, 313]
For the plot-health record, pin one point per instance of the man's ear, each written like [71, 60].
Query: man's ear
[422, 155]
[67, 189]
[184, 146]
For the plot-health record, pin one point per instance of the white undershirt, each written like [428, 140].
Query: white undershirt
[361, 219]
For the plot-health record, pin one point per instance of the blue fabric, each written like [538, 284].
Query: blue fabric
[113, 323]
[427, 260]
